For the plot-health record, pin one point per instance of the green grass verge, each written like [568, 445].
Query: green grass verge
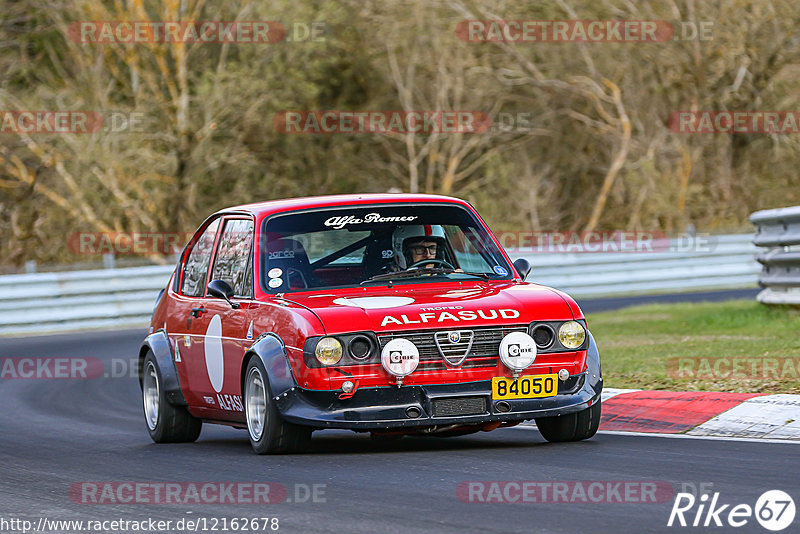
[740, 346]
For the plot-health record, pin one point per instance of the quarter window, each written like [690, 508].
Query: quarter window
[234, 258]
[196, 267]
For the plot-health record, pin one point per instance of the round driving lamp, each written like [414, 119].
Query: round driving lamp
[517, 351]
[328, 351]
[400, 358]
[571, 334]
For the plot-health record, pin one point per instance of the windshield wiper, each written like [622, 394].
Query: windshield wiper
[411, 273]
[485, 276]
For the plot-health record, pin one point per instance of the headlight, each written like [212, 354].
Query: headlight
[360, 347]
[572, 334]
[328, 351]
[543, 335]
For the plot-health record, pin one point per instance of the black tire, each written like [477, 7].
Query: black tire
[573, 427]
[165, 423]
[274, 435]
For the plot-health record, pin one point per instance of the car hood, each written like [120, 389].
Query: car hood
[451, 306]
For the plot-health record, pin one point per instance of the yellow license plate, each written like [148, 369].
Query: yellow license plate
[524, 387]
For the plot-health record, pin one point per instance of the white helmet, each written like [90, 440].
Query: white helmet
[405, 235]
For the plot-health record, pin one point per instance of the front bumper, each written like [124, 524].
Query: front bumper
[385, 408]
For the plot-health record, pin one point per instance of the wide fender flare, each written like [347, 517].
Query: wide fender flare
[594, 374]
[158, 343]
[272, 352]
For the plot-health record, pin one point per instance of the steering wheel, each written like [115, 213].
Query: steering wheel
[435, 261]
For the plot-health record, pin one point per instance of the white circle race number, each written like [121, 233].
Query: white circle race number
[517, 351]
[215, 363]
[374, 303]
[775, 510]
[400, 357]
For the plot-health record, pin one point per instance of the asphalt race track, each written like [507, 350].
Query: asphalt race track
[58, 433]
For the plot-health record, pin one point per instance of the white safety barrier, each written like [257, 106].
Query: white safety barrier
[63, 301]
[703, 263]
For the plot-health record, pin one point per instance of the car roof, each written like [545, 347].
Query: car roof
[291, 204]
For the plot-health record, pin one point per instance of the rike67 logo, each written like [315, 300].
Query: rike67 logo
[774, 510]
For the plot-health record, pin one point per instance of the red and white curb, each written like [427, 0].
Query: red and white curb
[702, 413]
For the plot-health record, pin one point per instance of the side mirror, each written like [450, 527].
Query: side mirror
[522, 266]
[222, 290]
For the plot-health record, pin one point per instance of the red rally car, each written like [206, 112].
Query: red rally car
[390, 314]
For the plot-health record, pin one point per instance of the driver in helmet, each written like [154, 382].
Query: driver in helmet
[415, 243]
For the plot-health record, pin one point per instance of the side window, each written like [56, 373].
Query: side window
[196, 266]
[234, 256]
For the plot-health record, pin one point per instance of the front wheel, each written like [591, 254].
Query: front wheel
[165, 423]
[573, 427]
[269, 433]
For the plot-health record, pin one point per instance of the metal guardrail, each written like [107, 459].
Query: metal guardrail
[63, 301]
[723, 262]
[778, 234]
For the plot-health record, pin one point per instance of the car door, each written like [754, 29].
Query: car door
[188, 322]
[226, 335]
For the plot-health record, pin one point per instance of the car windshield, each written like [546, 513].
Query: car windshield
[352, 246]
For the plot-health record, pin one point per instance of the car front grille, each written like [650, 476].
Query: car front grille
[459, 406]
[484, 353]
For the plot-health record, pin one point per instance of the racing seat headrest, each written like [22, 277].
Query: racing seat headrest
[290, 256]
